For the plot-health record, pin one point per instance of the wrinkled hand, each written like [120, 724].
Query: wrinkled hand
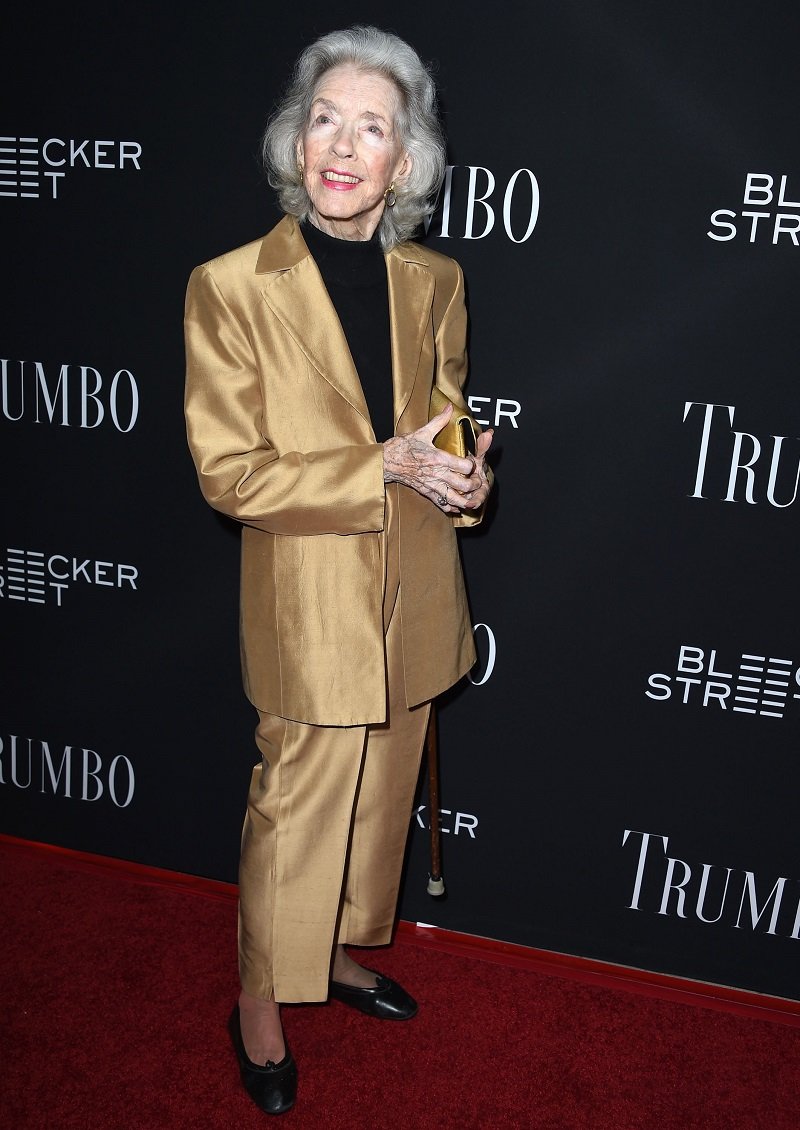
[450, 483]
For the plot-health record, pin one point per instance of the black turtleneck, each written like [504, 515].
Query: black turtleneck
[354, 273]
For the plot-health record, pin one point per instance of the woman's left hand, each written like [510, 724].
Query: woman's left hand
[476, 498]
[454, 485]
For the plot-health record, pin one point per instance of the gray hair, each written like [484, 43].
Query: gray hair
[418, 125]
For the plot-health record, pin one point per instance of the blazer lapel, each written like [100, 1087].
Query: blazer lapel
[410, 300]
[296, 294]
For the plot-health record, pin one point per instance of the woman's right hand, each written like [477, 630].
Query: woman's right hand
[450, 483]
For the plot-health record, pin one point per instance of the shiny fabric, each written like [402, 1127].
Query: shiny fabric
[280, 435]
[327, 821]
[452, 437]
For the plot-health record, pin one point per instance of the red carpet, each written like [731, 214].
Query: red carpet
[115, 995]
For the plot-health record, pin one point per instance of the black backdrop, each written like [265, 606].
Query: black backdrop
[620, 776]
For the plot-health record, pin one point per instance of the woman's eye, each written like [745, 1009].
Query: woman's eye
[376, 130]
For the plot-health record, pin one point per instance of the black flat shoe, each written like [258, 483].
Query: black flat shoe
[273, 1087]
[387, 1001]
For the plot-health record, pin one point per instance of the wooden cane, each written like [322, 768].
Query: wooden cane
[435, 880]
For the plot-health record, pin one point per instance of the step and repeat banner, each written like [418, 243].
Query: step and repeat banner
[619, 772]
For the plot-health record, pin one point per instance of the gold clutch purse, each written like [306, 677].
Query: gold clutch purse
[459, 435]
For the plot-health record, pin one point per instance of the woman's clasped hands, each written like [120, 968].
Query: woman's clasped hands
[453, 485]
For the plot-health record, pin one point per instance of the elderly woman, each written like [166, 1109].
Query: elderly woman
[311, 357]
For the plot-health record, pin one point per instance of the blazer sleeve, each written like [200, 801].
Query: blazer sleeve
[334, 491]
[452, 367]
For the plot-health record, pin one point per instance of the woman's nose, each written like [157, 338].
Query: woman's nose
[343, 144]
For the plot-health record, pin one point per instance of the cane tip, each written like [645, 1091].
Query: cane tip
[435, 886]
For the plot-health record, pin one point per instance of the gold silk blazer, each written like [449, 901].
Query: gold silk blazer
[280, 434]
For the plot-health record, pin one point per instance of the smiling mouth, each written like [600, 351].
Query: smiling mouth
[339, 178]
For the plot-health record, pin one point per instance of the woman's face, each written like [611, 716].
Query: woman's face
[350, 152]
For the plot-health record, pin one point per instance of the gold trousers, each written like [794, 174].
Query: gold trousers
[327, 821]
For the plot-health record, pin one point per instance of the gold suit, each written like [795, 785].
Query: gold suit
[353, 610]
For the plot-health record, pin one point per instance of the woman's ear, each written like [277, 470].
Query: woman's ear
[404, 167]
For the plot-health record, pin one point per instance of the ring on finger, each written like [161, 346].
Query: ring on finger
[442, 499]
